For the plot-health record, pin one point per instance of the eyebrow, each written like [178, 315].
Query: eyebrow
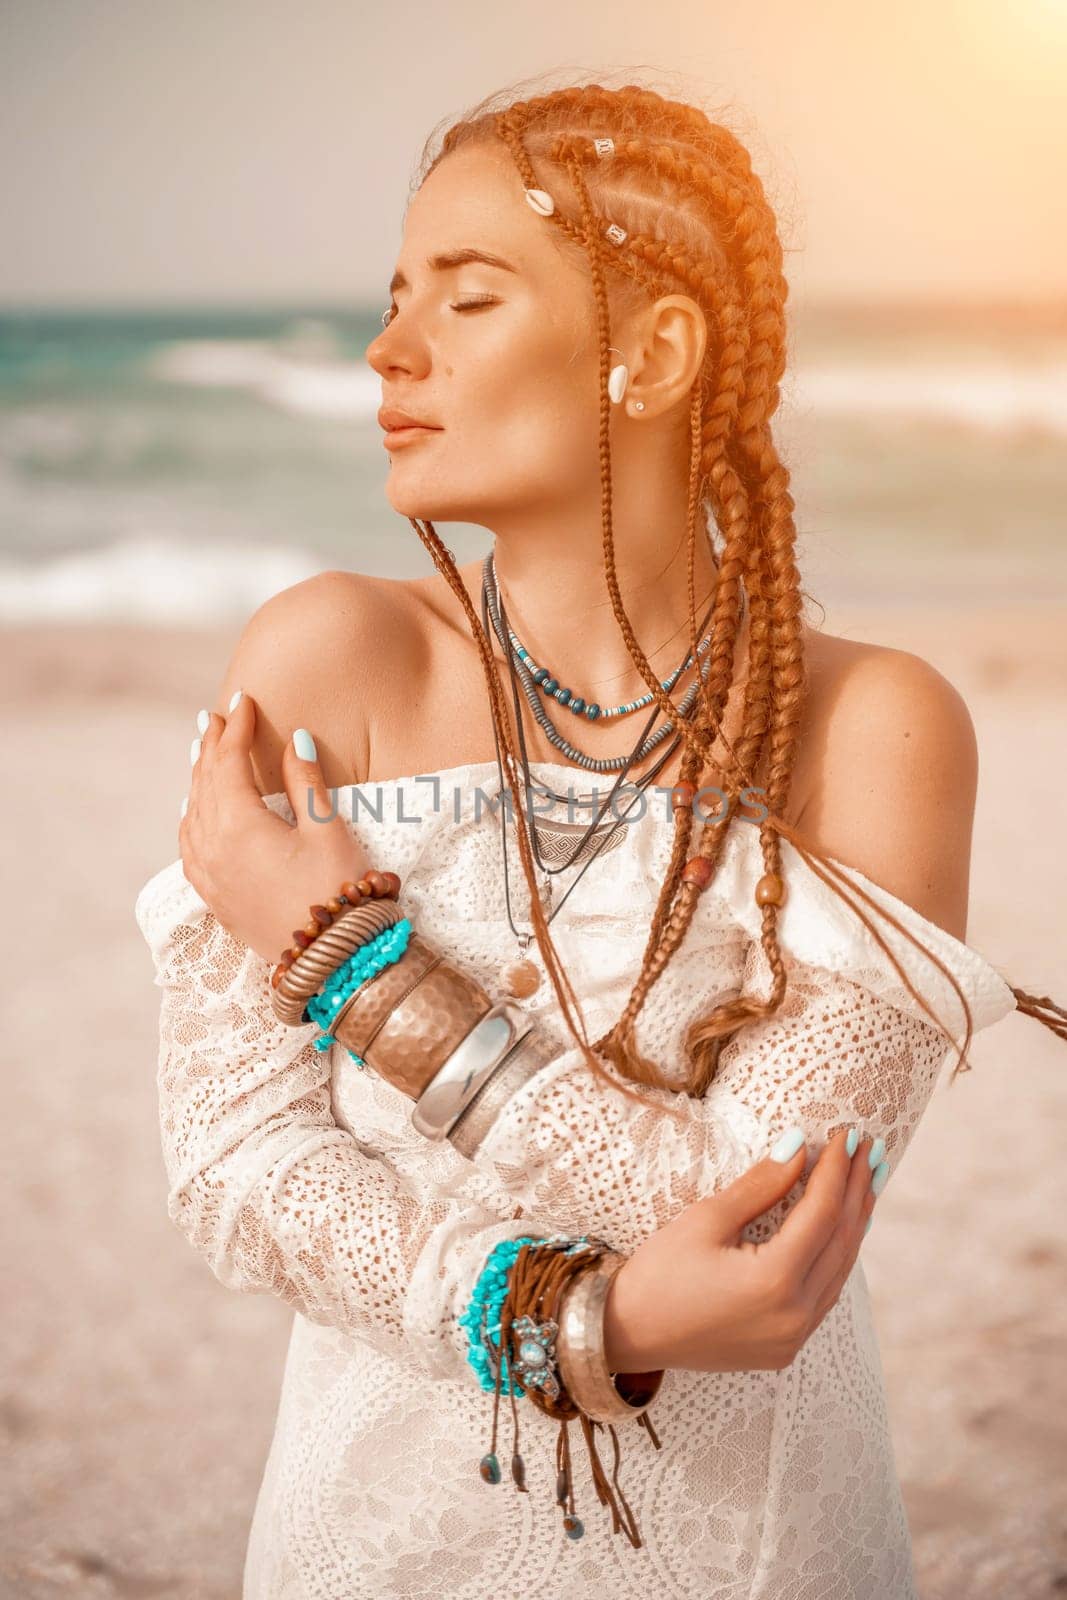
[454, 258]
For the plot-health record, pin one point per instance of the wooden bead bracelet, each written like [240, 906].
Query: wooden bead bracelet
[372, 886]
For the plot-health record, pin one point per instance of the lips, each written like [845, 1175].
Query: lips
[392, 420]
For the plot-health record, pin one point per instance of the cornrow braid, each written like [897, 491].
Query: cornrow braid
[694, 214]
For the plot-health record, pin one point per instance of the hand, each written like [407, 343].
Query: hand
[258, 874]
[695, 1295]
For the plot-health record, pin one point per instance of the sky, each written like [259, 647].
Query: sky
[193, 152]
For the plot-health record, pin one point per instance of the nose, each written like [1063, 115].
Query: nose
[390, 352]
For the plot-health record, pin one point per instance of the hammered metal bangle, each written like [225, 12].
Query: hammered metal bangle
[527, 1055]
[470, 1064]
[602, 1395]
[411, 1016]
[373, 1001]
[333, 946]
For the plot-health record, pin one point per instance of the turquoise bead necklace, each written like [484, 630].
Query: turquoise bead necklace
[551, 687]
[491, 600]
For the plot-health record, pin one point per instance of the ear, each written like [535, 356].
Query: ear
[671, 339]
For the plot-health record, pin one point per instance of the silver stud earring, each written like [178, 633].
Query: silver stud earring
[639, 405]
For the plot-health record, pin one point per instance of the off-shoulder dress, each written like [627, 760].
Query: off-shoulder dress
[297, 1174]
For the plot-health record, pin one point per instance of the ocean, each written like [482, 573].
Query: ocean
[182, 466]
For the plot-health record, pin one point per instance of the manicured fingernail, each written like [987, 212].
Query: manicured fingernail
[237, 693]
[881, 1177]
[304, 745]
[852, 1141]
[184, 809]
[788, 1144]
[203, 720]
[867, 1229]
[877, 1151]
[194, 752]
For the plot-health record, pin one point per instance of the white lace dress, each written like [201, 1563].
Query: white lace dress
[297, 1174]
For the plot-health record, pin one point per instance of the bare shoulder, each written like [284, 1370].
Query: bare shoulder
[893, 774]
[317, 655]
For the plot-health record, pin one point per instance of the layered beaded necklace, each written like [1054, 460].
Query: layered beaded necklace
[518, 665]
[552, 688]
[521, 978]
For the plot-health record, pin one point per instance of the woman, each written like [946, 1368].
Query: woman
[587, 325]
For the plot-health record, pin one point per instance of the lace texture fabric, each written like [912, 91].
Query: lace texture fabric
[296, 1174]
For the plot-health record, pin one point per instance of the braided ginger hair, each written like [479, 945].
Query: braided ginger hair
[696, 218]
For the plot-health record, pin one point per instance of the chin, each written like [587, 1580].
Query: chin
[425, 507]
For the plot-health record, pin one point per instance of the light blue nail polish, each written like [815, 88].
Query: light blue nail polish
[203, 720]
[877, 1151]
[788, 1144]
[852, 1141]
[184, 809]
[881, 1177]
[304, 745]
[235, 698]
[867, 1229]
[194, 752]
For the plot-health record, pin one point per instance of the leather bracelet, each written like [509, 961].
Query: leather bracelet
[526, 1056]
[602, 1395]
[473, 1061]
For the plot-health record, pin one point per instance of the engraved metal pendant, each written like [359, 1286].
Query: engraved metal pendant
[537, 1355]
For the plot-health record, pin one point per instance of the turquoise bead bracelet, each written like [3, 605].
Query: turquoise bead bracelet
[371, 958]
[482, 1316]
[490, 1292]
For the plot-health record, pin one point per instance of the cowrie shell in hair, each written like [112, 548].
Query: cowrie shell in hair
[617, 382]
[542, 203]
[604, 147]
[615, 233]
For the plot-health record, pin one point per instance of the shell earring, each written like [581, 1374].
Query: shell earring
[617, 380]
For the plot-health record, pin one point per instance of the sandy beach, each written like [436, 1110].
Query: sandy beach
[139, 1394]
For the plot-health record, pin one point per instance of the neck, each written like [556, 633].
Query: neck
[558, 604]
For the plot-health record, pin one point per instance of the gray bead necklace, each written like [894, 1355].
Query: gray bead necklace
[580, 758]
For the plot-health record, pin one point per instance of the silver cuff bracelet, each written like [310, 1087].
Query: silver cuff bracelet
[468, 1068]
[533, 1051]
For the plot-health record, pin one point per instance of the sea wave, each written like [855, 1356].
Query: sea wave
[151, 580]
[994, 396]
[337, 389]
[997, 398]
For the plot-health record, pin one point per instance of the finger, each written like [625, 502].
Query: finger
[754, 1192]
[812, 1222]
[311, 801]
[232, 753]
[829, 1272]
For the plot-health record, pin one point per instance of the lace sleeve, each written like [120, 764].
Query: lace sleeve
[849, 1045]
[263, 1181]
[834, 1055]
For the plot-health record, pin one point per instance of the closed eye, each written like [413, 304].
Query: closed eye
[472, 303]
